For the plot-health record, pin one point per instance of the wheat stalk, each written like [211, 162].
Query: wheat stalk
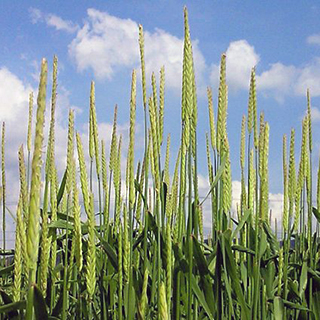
[23, 185]
[77, 224]
[285, 219]
[143, 68]
[131, 140]
[161, 104]
[91, 254]
[144, 297]
[166, 177]
[163, 309]
[211, 119]
[18, 254]
[34, 203]
[83, 175]
[126, 247]
[220, 132]
[292, 175]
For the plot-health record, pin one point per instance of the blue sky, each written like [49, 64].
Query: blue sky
[97, 40]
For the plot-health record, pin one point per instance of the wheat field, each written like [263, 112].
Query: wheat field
[141, 252]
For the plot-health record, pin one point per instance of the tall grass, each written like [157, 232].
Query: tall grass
[142, 253]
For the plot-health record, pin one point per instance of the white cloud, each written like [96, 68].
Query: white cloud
[278, 77]
[13, 96]
[236, 195]
[60, 24]
[106, 43]
[309, 78]
[275, 204]
[278, 80]
[315, 114]
[241, 58]
[281, 80]
[276, 208]
[35, 15]
[52, 21]
[314, 39]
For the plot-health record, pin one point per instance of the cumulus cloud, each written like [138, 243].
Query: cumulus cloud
[309, 78]
[35, 15]
[106, 43]
[278, 80]
[281, 80]
[276, 209]
[275, 203]
[241, 57]
[13, 95]
[315, 114]
[278, 77]
[52, 21]
[60, 24]
[314, 39]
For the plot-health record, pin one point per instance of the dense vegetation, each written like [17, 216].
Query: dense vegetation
[142, 253]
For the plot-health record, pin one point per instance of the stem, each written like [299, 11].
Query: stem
[65, 272]
[29, 309]
[145, 206]
[189, 235]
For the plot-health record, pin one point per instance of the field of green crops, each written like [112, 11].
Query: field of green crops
[140, 252]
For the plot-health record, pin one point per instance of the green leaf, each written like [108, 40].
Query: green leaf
[58, 307]
[293, 287]
[303, 279]
[62, 187]
[263, 244]
[63, 216]
[316, 305]
[273, 242]
[232, 272]
[61, 224]
[316, 213]
[58, 268]
[278, 308]
[217, 285]
[200, 296]
[111, 253]
[216, 178]
[240, 248]
[12, 307]
[295, 306]
[132, 302]
[199, 257]
[40, 307]
[241, 223]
